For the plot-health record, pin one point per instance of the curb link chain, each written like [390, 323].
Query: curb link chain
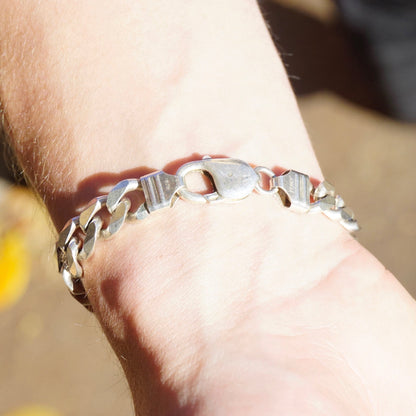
[232, 180]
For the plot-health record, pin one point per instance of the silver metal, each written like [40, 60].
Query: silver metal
[339, 202]
[74, 284]
[232, 180]
[119, 191]
[140, 214]
[91, 236]
[328, 202]
[268, 172]
[68, 279]
[67, 232]
[348, 220]
[160, 190]
[117, 218]
[295, 190]
[323, 189]
[332, 205]
[72, 264]
[61, 257]
[89, 213]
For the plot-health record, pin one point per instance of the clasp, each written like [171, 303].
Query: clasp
[232, 180]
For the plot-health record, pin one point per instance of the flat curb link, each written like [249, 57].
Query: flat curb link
[232, 181]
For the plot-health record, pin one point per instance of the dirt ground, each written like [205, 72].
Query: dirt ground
[53, 353]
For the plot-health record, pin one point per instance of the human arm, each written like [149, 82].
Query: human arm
[237, 309]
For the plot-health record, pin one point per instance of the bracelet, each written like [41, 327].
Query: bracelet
[232, 181]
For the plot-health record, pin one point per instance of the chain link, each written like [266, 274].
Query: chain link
[259, 186]
[232, 179]
[78, 238]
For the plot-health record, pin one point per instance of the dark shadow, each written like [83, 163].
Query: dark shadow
[152, 396]
[321, 56]
[8, 165]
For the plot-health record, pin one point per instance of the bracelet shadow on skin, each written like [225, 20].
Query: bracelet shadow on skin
[100, 183]
[151, 394]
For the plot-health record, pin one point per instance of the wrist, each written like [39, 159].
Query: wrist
[200, 278]
[230, 98]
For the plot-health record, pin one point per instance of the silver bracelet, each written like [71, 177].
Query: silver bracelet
[232, 181]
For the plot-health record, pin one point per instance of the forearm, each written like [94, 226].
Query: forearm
[93, 91]
[89, 88]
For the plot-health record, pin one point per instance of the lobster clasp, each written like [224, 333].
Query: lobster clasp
[232, 180]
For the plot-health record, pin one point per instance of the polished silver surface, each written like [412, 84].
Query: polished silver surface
[91, 210]
[323, 189]
[119, 191]
[271, 189]
[333, 206]
[160, 189]
[232, 181]
[72, 264]
[140, 214]
[117, 219]
[67, 232]
[348, 220]
[68, 279]
[91, 236]
[295, 190]
[344, 216]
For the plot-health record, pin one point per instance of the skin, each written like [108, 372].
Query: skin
[244, 309]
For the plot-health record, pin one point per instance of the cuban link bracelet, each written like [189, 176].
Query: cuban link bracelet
[232, 181]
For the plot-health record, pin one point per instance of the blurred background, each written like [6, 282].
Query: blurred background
[356, 90]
